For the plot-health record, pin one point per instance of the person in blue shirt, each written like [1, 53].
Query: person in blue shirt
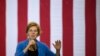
[32, 47]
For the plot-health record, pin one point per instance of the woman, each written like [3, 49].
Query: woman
[32, 47]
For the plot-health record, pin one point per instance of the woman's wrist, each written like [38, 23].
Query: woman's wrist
[26, 49]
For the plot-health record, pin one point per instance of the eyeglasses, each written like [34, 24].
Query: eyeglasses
[33, 30]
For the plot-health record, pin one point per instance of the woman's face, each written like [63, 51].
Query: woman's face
[32, 32]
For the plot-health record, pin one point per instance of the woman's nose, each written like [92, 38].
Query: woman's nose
[33, 32]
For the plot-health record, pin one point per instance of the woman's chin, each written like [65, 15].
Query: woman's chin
[32, 38]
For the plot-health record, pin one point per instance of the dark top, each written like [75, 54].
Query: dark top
[33, 53]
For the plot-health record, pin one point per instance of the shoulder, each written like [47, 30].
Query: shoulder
[22, 43]
[45, 49]
[42, 44]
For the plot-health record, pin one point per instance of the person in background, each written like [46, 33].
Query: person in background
[32, 47]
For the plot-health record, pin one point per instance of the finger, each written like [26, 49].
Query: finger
[59, 41]
[56, 42]
[33, 42]
[53, 44]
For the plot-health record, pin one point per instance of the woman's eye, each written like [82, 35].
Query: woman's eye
[33, 30]
[30, 30]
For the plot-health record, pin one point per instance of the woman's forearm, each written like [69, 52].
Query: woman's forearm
[57, 52]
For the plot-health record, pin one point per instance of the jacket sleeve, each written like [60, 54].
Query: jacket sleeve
[19, 50]
[49, 52]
